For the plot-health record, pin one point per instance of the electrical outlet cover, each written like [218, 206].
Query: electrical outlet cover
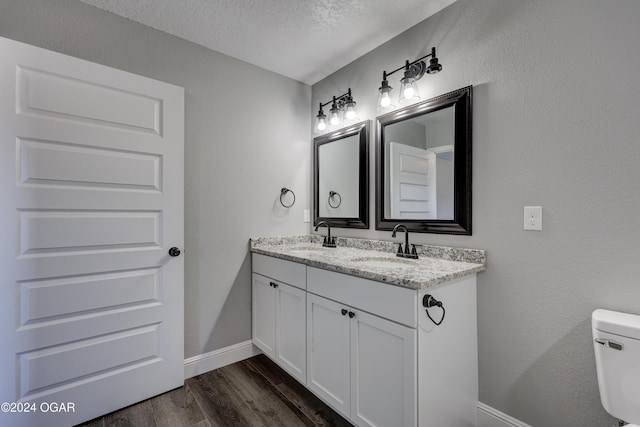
[533, 218]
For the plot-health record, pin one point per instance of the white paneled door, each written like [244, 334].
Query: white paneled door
[412, 190]
[91, 201]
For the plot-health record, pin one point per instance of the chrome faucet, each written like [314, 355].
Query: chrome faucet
[328, 241]
[406, 253]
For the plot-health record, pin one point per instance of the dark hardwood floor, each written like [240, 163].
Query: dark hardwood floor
[253, 392]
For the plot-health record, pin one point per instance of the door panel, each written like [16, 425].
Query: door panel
[54, 163]
[66, 363]
[291, 331]
[48, 300]
[53, 232]
[91, 185]
[45, 92]
[328, 352]
[383, 372]
[264, 314]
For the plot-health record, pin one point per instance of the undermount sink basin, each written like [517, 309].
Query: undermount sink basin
[385, 262]
[310, 249]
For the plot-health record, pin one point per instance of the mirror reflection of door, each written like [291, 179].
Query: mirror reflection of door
[339, 178]
[411, 182]
[419, 167]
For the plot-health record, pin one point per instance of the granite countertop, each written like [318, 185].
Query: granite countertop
[375, 259]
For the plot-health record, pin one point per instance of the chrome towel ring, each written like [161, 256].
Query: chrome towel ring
[283, 193]
[332, 195]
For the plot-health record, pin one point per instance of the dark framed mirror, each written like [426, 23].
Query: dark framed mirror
[423, 165]
[341, 177]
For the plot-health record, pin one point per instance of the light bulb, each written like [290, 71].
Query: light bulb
[335, 120]
[350, 114]
[385, 100]
[321, 123]
[408, 92]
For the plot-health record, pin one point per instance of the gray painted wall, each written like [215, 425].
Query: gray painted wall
[407, 133]
[239, 150]
[556, 111]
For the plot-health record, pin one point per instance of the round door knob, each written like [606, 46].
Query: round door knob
[351, 314]
[174, 251]
[343, 311]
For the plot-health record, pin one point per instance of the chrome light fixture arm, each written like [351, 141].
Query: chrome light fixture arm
[418, 67]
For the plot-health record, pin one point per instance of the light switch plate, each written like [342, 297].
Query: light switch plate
[307, 215]
[533, 218]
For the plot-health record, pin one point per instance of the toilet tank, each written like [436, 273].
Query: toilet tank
[616, 342]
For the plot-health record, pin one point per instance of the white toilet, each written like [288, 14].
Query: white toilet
[616, 342]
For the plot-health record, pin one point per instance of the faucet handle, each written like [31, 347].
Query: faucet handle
[329, 243]
[400, 251]
[414, 251]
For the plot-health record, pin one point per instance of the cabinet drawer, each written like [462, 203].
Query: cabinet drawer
[281, 270]
[388, 301]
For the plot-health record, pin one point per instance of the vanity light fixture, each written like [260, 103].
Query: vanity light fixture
[342, 105]
[413, 71]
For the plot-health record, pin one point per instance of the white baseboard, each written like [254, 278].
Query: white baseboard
[490, 417]
[206, 362]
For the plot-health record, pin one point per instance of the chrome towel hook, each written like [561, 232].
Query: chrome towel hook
[283, 192]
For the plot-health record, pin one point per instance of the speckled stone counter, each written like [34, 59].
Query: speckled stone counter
[375, 259]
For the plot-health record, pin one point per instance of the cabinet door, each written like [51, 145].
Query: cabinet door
[328, 352]
[291, 323]
[263, 314]
[383, 372]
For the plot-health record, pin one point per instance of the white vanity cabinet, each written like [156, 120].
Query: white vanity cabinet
[368, 348]
[279, 313]
[363, 365]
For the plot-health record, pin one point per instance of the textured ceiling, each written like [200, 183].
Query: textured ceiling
[303, 39]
